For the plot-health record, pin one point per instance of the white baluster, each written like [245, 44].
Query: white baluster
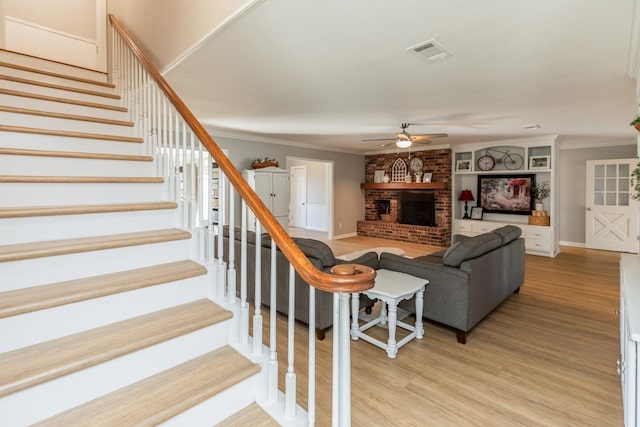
[244, 307]
[231, 272]
[290, 378]
[221, 265]
[257, 317]
[273, 355]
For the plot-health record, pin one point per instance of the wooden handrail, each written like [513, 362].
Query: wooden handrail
[361, 278]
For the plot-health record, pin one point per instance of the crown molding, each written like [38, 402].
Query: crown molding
[577, 144]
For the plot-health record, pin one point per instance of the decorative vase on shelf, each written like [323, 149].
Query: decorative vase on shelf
[407, 179]
[386, 178]
[539, 205]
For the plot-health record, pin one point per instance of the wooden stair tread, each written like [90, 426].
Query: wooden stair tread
[52, 114]
[20, 301]
[73, 154]
[81, 179]
[58, 75]
[53, 61]
[41, 249]
[70, 134]
[164, 395]
[62, 100]
[59, 87]
[26, 367]
[32, 211]
[253, 415]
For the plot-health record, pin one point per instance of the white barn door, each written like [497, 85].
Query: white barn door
[611, 213]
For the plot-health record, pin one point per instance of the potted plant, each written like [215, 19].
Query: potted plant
[635, 182]
[636, 123]
[540, 191]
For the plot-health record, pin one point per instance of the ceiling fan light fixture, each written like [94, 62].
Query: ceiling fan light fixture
[403, 143]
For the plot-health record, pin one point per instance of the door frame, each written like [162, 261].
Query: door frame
[328, 185]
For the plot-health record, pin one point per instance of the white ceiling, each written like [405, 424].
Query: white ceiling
[333, 73]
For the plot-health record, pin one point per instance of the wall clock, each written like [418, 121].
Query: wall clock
[486, 162]
[416, 164]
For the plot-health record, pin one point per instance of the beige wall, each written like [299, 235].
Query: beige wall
[348, 173]
[168, 29]
[572, 188]
[53, 14]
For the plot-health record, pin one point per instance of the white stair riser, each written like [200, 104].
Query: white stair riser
[43, 122]
[66, 143]
[60, 93]
[56, 67]
[71, 390]
[61, 107]
[65, 194]
[40, 271]
[34, 229]
[32, 328]
[23, 74]
[61, 166]
[219, 407]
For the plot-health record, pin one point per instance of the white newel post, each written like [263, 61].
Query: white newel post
[341, 390]
[290, 378]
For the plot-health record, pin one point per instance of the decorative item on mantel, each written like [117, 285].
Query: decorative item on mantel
[636, 123]
[264, 163]
[466, 196]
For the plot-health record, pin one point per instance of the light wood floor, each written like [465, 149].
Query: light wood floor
[545, 357]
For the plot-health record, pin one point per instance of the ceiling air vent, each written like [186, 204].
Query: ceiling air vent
[431, 50]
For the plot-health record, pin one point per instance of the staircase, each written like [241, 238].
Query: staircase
[104, 314]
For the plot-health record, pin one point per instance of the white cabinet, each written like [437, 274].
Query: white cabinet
[511, 161]
[629, 336]
[272, 186]
[537, 239]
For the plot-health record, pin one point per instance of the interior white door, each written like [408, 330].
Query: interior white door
[611, 214]
[298, 209]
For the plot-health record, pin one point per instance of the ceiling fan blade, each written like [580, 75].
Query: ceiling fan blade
[380, 139]
[431, 135]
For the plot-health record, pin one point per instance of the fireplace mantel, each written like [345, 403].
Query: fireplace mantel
[403, 186]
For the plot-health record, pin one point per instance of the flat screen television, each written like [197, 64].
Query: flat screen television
[506, 194]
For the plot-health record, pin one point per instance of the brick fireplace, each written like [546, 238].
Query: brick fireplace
[438, 162]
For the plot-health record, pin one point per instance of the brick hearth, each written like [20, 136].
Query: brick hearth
[438, 162]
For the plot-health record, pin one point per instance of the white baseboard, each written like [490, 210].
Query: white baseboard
[574, 244]
[344, 236]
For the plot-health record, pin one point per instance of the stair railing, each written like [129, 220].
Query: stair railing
[184, 152]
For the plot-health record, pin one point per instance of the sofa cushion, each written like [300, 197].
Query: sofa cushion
[316, 249]
[508, 233]
[251, 236]
[471, 248]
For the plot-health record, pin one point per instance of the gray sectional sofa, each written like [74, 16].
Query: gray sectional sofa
[320, 256]
[468, 280]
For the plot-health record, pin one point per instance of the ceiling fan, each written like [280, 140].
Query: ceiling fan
[404, 139]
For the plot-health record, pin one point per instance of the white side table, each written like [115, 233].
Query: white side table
[391, 287]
